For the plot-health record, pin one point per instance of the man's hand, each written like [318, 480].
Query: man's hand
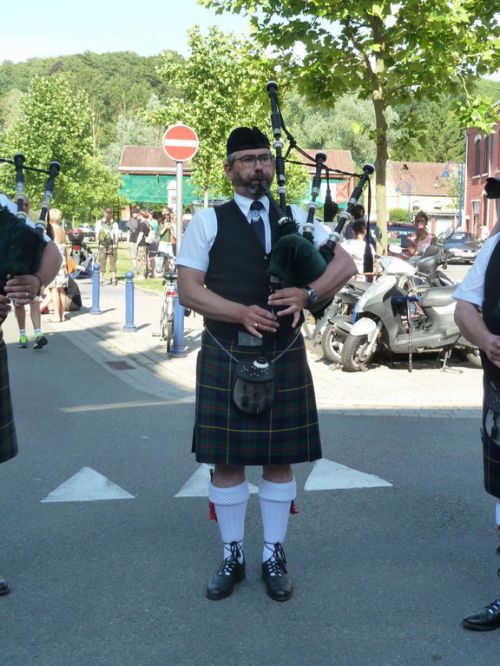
[256, 319]
[292, 299]
[22, 289]
[4, 307]
[492, 349]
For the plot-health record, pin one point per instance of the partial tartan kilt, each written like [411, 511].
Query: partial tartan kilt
[491, 450]
[288, 433]
[8, 440]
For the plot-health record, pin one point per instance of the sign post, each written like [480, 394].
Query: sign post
[180, 143]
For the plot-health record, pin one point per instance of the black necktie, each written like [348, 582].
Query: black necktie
[257, 222]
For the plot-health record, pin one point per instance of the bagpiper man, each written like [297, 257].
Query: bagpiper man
[21, 290]
[222, 275]
[477, 315]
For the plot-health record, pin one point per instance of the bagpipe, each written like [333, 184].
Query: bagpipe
[21, 245]
[294, 260]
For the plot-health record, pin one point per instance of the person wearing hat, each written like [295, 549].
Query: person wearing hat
[222, 275]
[477, 315]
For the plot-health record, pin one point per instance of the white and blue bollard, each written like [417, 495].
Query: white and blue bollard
[177, 348]
[95, 309]
[129, 302]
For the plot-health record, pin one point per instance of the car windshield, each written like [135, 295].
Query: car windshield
[460, 236]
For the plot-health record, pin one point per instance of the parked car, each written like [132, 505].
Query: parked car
[88, 231]
[460, 246]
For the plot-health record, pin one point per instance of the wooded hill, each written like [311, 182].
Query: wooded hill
[122, 85]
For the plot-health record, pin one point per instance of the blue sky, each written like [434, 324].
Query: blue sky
[62, 27]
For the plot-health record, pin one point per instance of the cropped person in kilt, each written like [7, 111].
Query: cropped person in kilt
[21, 289]
[222, 275]
[477, 314]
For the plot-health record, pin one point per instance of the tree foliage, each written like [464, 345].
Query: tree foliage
[56, 125]
[119, 83]
[391, 54]
[221, 85]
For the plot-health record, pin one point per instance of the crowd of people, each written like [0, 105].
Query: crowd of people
[151, 236]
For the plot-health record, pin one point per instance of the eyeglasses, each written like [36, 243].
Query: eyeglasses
[266, 159]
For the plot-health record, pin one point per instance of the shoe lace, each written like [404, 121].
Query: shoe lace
[494, 607]
[229, 563]
[276, 564]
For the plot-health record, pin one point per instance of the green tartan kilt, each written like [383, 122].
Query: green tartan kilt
[8, 440]
[288, 433]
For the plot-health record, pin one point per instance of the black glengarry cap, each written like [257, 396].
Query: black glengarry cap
[246, 138]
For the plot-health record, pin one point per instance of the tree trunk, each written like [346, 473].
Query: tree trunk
[205, 199]
[380, 170]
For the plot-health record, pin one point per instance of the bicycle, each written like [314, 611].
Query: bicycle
[167, 308]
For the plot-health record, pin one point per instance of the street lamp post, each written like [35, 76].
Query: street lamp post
[460, 178]
[408, 194]
[408, 183]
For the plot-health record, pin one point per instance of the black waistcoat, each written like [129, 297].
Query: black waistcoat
[491, 308]
[237, 266]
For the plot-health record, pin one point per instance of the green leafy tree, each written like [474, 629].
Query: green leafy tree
[389, 53]
[221, 84]
[130, 130]
[56, 125]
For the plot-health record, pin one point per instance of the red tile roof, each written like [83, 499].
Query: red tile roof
[426, 178]
[148, 160]
[153, 160]
[335, 159]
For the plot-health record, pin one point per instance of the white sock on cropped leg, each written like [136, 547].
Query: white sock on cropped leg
[275, 500]
[230, 508]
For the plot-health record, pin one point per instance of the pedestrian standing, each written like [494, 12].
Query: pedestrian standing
[36, 319]
[108, 236]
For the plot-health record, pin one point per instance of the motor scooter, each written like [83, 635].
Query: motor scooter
[402, 314]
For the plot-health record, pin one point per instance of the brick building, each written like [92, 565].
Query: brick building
[427, 186]
[483, 161]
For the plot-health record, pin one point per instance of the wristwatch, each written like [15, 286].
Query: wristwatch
[312, 296]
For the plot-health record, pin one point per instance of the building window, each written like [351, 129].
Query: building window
[476, 211]
[486, 154]
[485, 213]
[477, 156]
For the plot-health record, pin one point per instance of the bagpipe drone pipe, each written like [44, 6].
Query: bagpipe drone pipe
[21, 245]
[294, 260]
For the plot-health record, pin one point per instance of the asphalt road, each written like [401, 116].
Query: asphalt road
[382, 576]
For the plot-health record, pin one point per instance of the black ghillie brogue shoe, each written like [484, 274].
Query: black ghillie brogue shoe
[486, 619]
[230, 572]
[274, 574]
[4, 588]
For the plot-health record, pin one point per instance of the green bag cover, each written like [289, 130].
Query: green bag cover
[295, 261]
[20, 247]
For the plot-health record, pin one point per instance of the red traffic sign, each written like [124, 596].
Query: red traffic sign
[180, 142]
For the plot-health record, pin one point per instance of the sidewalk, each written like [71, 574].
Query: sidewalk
[140, 359]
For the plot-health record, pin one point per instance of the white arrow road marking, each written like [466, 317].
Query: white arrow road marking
[87, 485]
[197, 484]
[329, 475]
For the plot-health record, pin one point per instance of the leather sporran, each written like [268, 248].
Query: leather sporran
[254, 386]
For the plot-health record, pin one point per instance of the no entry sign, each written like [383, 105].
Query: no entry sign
[180, 142]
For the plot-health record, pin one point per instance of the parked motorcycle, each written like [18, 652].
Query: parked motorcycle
[402, 314]
[78, 250]
[340, 312]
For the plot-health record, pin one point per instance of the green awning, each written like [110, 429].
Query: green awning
[153, 189]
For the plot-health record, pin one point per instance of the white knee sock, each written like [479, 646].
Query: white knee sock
[275, 500]
[230, 507]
